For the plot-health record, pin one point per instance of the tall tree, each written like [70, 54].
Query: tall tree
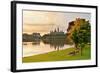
[81, 36]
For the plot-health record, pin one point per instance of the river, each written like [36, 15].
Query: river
[35, 48]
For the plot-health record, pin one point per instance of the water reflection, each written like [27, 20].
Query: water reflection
[36, 42]
[43, 46]
[55, 43]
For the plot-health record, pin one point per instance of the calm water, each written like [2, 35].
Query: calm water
[34, 48]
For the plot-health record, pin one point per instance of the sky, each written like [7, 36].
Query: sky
[45, 21]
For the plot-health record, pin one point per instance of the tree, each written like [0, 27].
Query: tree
[81, 36]
[75, 38]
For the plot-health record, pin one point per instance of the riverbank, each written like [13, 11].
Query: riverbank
[61, 55]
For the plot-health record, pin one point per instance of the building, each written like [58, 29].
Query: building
[36, 35]
[57, 32]
[54, 35]
[31, 37]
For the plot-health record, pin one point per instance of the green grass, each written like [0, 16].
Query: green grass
[60, 55]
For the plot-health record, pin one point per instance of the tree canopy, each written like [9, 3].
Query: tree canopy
[82, 35]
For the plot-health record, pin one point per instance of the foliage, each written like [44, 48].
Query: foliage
[81, 36]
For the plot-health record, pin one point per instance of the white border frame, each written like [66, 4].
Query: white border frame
[21, 66]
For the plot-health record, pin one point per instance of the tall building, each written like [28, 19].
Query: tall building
[57, 32]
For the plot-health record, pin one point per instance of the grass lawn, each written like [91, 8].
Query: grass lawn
[60, 55]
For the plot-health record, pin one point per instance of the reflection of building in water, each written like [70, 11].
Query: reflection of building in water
[36, 38]
[55, 38]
